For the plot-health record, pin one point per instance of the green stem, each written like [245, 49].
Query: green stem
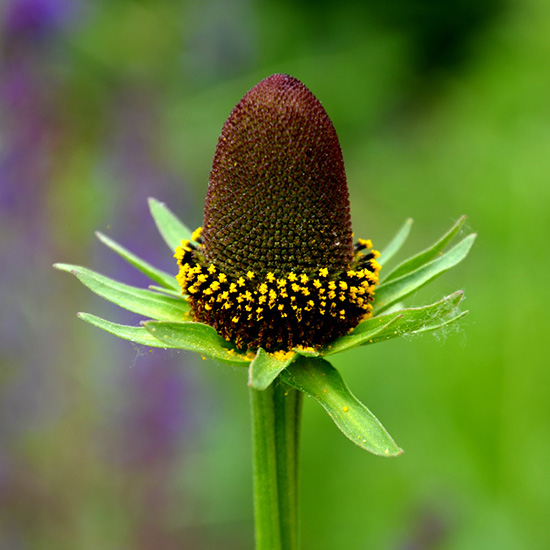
[276, 414]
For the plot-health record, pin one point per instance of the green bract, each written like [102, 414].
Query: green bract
[169, 325]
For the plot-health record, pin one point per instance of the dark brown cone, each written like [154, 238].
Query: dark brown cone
[277, 197]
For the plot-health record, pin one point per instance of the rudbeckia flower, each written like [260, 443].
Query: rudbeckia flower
[275, 265]
[273, 281]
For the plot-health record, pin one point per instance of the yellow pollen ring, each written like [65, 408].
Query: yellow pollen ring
[273, 303]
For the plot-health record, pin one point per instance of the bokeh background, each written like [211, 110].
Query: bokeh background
[442, 109]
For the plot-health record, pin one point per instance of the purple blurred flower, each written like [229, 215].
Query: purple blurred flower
[33, 19]
[156, 414]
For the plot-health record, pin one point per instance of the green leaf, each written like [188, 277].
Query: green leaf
[265, 367]
[161, 277]
[138, 335]
[446, 321]
[396, 243]
[398, 323]
[167, 291]
[306, 352]
[169, 225]
[198, 337]
[389, 293]
[360, 338]
[320, 380]
[429, 254]
[138, 300]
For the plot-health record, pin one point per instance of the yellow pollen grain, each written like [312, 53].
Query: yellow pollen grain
[262, 289]
[292, 277]
[235, 319]
[232, 287]
[222, 277]
[240, 281]
[317, 283]
[295, 287]
[282, 355]
[343, 285]
[345, 409]
[367, 243]
[196, 234]
[270, 277]
[323, 272]
[185, 246]
[304, 278]
[250, 275]
[332, 285]
[212, 269]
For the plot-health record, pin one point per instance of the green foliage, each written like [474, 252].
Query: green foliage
[138, 335]
[170, 325]
[172, 229]
[392, 292]
[144, 302]
[164, 279]
[197, 337]
[320, 380]
[265, 368]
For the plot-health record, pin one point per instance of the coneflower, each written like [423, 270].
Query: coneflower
[274, 265]
[274, 283]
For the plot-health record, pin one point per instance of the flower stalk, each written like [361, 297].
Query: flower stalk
[276, 414]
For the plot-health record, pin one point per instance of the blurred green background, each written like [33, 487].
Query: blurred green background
[442, 109]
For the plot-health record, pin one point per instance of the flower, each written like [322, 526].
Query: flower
[275, 266]
[273, 282]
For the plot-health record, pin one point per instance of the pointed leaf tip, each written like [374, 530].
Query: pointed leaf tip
[171, 228]
[320, 380]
